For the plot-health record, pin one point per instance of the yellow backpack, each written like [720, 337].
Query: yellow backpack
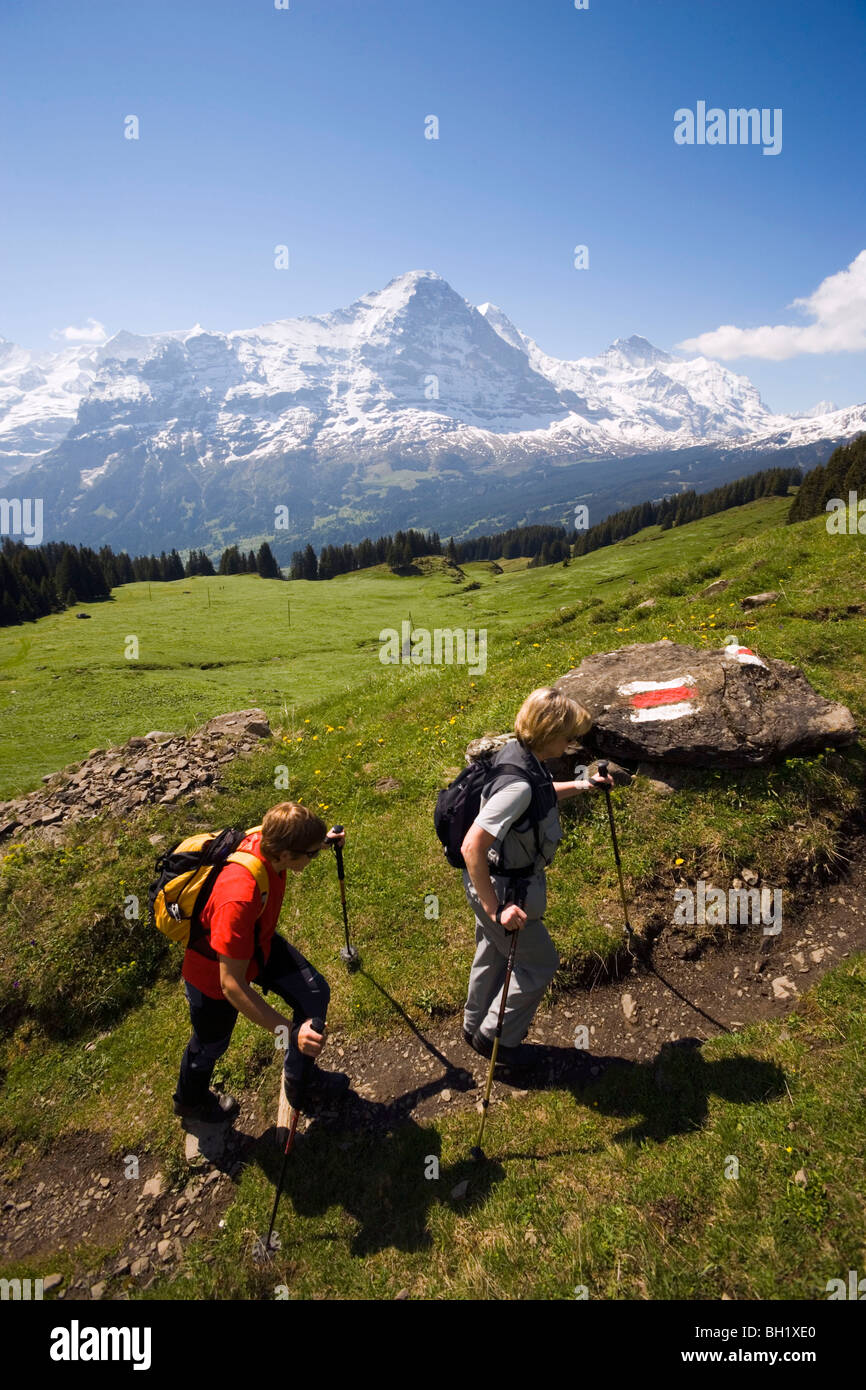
[186, 876]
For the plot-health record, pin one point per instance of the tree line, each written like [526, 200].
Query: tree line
[541, 544]
[844, 472]
[684, 507]
[37, 580]
[397, 551]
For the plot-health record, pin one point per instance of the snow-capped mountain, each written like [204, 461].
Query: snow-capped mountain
[351, 418]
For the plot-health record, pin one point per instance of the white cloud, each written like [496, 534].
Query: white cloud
[90, 332]
[837, 306]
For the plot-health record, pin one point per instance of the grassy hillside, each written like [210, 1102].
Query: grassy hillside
[210, 645]
[345, 722]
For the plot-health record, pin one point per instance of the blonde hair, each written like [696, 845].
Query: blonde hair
[290, 828]
[547, 714]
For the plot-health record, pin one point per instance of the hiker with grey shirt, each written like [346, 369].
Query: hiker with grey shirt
[507, 849]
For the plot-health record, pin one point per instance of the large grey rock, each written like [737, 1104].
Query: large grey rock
[667, 702]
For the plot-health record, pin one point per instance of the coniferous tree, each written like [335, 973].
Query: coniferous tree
[266, 564]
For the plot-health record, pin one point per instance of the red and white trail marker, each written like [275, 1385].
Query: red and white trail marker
[744, 655]
[652, 700]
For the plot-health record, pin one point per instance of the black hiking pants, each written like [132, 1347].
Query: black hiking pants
[290, 976]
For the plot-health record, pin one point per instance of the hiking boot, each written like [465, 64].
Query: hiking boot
[320, 1089]
[505, 1056]
[216, 1110]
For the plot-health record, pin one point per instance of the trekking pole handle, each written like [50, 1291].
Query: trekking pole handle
[338, 850]
[602, 769]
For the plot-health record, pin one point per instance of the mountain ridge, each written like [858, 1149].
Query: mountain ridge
[404, 394]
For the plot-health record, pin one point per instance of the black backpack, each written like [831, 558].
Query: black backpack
[458, 804]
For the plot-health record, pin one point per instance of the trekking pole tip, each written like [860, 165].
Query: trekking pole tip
[351, 958]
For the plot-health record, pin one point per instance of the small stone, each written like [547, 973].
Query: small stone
[154, 1187]
[749, 876]
[97, 1290]
[629, 1008]
[163, 1249]
[105, 1182]
[188, 1230]
[818, 955]
[139, 1266]
[445, 1096]
[24, 1206]
[191, 1147]
[122, 1267]
[783, 987]
[801, 1177]
[51, 1281]
[758, 600]
[403, 1294]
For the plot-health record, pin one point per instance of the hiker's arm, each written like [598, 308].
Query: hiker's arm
[247, 1001]
[474, 849]
[566, 789]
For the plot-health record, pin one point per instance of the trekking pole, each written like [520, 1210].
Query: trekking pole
[477, 1152]
[602, 772]
[348, 953]
[318, 1026]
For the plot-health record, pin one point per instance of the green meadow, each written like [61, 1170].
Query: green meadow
[619, 1187]
[206, 646]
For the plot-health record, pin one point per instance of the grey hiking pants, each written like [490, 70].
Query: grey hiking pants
[535, 963]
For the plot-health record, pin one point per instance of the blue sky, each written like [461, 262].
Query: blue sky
[305, 127]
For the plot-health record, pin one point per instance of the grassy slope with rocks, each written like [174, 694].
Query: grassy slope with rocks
[64, 930]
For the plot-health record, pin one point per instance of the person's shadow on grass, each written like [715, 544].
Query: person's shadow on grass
[670, 1091]
[379, 1167]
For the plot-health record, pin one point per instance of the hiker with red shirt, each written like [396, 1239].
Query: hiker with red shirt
[238, 946]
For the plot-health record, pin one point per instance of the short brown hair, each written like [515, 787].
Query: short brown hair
[547, 714]
[290, 828]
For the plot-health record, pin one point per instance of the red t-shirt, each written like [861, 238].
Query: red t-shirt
[229, 917]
